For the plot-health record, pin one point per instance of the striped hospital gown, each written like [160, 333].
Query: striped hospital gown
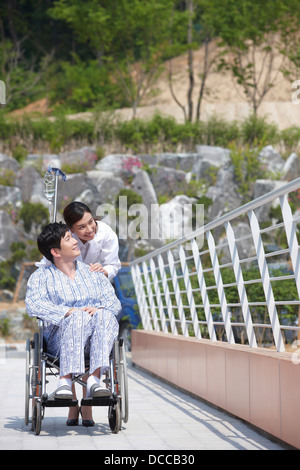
[51, 294]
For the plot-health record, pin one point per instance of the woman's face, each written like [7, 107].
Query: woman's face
[85, 228]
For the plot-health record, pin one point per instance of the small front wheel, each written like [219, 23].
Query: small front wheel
[114, 417]
[37, 417]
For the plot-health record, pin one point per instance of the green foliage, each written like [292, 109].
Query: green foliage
[33, 215]
[7, 177]
[20, 153]
[4, 327]
[81, 86]
[247, 168]
[158, 134]
[257, 129]
[290, 138]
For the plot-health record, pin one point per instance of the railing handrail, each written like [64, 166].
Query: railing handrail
[264, 199]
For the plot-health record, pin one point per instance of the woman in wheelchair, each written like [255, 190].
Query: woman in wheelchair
[78, 308]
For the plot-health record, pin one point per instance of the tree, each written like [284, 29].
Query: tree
[20, 72]
[200, 34]
[128, 36]
[251, 36]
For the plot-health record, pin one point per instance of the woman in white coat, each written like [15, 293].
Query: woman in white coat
[97, 242]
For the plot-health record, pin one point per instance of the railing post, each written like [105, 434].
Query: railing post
[158, 295]
[240, 285]
[190, 296]
[220, 287]
[150, 296]
[202, 285]
[264, 272]
[177, 294]
[167, 295]
[141, 298]
[291, 236]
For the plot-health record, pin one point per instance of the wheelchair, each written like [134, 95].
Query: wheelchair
[40, 364]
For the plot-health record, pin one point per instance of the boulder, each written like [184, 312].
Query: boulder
[179, 161]
[142, 185]
[10, 196]
[30, 183]
[261, 188]
[175, 217]
[77, 187]
[8, 163]
[291, 168]
[106, 183]
[224, 195]
[271, 160]
[209, 160]
[85, 157]
[8, 234]
[167, 181]
[119, 164]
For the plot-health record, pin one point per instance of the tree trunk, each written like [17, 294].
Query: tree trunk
[190, 60]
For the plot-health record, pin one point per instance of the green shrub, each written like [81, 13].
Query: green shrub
[33, 215]
[7, 177]
[4, 327]
[256, 129]
[290, 138]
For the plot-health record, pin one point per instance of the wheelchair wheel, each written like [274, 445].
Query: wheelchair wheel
[114, 417]
[36, 364]
[36, 417]
[32, 384]
[123, 381]
[27, 382]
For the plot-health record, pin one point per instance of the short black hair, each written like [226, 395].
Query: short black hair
[50, 238]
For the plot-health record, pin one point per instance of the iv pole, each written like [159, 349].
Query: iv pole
[50, 188]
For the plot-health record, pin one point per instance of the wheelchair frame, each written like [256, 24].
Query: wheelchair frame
[36, 398]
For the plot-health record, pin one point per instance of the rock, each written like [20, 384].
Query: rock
[261, 188]
[86, 157]
[30, 183]
[225, 195]
[8, 234]
[10, 196]
[107, 184]
[176, 217]
[291, 168]
[177, 161]
[209, 160]
[167, 181]
[142, 185]
[17, 327]
[77, 186]
[52, 160]
[271, 160]
[117, 164]
[8, 163]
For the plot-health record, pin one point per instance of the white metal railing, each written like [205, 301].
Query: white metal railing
[211, 291]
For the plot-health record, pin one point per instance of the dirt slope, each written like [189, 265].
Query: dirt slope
[224, 98]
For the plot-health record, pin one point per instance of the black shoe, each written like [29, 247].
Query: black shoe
[88, 423]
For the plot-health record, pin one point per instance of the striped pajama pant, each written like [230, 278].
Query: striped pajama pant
[81, 335]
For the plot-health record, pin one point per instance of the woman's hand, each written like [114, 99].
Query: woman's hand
[97, 267]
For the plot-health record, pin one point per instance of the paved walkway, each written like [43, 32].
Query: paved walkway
[161, 418]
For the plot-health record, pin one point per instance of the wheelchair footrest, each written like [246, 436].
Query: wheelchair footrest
[57, 402]
[99, 401]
